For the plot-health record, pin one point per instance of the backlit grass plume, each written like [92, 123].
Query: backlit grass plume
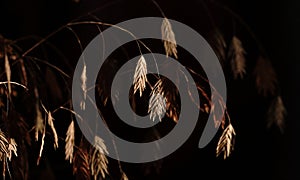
[70, 141]
[98, 160]
[140, 76]
[226, 142]
[168, 37]
[265, 76]
[157, 102]
[276, 114]
[237, 55]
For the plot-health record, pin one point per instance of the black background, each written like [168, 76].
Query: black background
[259, 152]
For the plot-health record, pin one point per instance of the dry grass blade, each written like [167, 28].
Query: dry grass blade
[15, 83]
[237, 55]
[168, 37]
[157, 102]
[276, 114]
[266, 80]
[98, 159]
[140, 75]
[226, 142]
[70, 141]
[83, 86]
[41, 148]
[51, 124]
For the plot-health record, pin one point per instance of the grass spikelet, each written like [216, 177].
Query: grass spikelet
[70, 141]
[237, 55]
[226, 142]
[3, 146]
[81, 163]
[157, 102]
[265, 76]
[276, 114]
[98, 159]
[83, 78]
[168, 37]
[140, 76]
[219, 44]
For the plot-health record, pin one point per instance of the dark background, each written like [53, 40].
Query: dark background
[259, 152]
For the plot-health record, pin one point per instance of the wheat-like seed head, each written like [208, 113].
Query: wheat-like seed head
[157, 102]
[81, 163]
[168, 37]
[140, 76]
[226, 142]
[3, 146]
[276, 114]
[12, 147]
[70, 141]
[238, 61]
[51, 124]
[98, 160]
[266, 80]
[83, 78]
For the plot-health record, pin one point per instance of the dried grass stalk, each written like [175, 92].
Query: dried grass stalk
[8, 72]
[140, 76]
[168, 37]
[24, 74]
[98, 159]
[266, 80]
[41, 148]
[157, 102]
[277, 113]
[51, 124]
[70, 141]
[83, 78]
[226, 142]
[237, 55]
